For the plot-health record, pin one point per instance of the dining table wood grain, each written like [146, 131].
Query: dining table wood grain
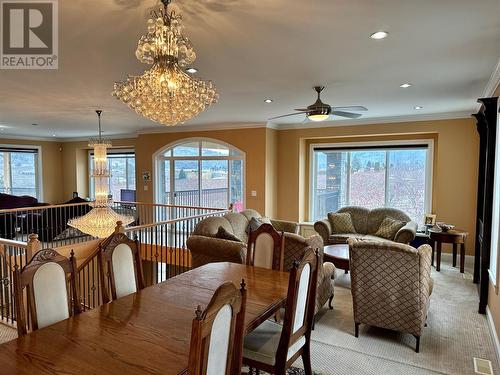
[147, 332]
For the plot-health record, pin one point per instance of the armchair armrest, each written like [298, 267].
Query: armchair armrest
[407, 233]
[285, 226]
[208, 250]
[324, 228]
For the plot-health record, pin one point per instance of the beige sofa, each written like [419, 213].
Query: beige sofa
[390, 285]
[366, 222]
[206, 248]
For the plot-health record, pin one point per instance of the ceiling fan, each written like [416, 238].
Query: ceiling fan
[320, 111]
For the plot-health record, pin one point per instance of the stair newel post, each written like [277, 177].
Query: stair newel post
[32, 247]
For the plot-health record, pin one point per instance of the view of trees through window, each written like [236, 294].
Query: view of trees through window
[370, 178]
[122, 169]
[18, 172]
[202, 173]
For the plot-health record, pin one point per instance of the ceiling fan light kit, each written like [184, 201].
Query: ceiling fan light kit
[320, 111]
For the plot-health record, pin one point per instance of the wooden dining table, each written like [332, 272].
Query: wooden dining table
[147, 332]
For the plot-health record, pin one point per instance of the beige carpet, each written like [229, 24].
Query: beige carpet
[455, 334]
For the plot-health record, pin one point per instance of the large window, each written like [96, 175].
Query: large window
[200, 172]
[122, 169]
[371, 176]
[19, 173]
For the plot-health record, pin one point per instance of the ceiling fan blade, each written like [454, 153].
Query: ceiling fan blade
[290, 114]
[346, 114]
[302, 110]
[351, 108]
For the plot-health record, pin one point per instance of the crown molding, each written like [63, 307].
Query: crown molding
[493, 82]
[270, 125]
[107, 136]
[379, 120]
[202, 128]
[29, 138]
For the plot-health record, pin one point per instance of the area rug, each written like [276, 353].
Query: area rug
[290, 371]
[455, 334]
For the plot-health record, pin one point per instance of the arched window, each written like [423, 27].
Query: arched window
[200, 172]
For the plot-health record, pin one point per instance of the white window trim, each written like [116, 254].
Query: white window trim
[493, 274]
[158, 157]
[38, 166]
[429, 166]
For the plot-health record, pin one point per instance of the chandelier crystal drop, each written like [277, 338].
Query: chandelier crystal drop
[101, 220]
[165, 93]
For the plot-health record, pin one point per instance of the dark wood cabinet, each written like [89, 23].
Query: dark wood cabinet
[487, 124]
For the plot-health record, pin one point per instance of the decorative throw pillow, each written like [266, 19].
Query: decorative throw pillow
[255, 223]
[341, 222]
[389, 227]
[225, 235]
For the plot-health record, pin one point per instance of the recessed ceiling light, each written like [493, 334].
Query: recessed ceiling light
[405, 85]
[379, 35]
[268, 101]
[417, 107]
[191, 70]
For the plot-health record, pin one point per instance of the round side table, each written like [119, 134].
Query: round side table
[453, 236]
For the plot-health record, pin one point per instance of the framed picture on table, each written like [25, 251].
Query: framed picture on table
[430, 219]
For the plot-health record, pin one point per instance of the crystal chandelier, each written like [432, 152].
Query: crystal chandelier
[101, 220]
[165, 93]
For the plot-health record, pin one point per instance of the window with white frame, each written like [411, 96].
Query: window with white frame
[495, 222]
[122, 169]
[200, 172]
[19, 171]
[371, 175]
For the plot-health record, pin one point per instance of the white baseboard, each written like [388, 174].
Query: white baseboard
[494, 336]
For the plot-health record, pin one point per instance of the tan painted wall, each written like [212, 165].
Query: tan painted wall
[455, 165]
[271, 172]
[251, 141]
[52, 178]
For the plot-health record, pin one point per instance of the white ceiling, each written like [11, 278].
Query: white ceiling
[253, 50]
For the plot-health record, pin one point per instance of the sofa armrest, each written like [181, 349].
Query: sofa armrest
[407, 233]
[208, 250]
[285, 226]
[324, 228]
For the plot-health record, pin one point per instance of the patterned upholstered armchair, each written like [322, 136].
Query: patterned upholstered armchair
[390, 285]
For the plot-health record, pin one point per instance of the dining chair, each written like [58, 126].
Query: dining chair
[49, 299]
[217, 333]
[266, 248]
[274, 348]
[120, 263]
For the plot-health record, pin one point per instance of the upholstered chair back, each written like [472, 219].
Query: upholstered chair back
[122, 262]
[300, 304]
[121, 265]
[266, 248]
[217, 333]
[390, 284]
[45, 279]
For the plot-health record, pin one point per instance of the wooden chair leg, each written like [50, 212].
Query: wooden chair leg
[356, 329]
[306, 359]
[330, 300]
[417, 346]
[454, 255]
